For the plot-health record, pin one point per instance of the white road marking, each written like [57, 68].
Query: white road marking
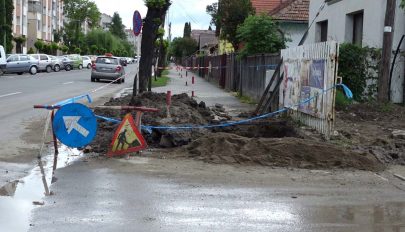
[10, 94]
[11, 77]
[67, 83]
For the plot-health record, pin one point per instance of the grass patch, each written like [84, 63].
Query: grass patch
[162, 80]
[245, 99]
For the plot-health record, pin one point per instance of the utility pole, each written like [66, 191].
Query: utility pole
[383, 80]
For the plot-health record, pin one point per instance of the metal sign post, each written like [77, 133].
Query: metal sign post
[137, 25]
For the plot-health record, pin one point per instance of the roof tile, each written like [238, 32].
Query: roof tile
[292, 10]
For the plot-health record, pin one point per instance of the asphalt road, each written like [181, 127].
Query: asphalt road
[18, 94]
[21, 126]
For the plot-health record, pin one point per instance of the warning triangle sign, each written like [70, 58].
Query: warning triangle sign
[127, 138]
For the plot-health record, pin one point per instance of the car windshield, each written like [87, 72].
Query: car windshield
[107, 60]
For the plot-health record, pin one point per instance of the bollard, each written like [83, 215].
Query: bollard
[192, 94]
[186, 73]
[192, 80]
[186, 83]
[168, 103]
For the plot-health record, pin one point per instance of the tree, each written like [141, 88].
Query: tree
[260, 34]
[39, 45]
[19, 41]
[187, 30]
[154, 17]
[227, 15]
[183, 47]
[64, 48]
[209, 28]
[78, 12]
[6, 13]
[117, 28]
[94, 49]
[54, 48]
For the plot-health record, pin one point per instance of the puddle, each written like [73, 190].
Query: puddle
[21, 197]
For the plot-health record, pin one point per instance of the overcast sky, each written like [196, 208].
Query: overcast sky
[180, 11]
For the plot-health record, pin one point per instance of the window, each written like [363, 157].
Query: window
[12, 59]
[24, 58]
[43, 57]
[322, 31]
[358, 28]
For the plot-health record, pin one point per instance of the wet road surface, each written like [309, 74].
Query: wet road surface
[163, 195]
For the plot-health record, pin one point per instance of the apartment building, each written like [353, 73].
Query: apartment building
[37, 19]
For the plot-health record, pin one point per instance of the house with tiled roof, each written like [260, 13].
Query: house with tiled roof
[292, 17]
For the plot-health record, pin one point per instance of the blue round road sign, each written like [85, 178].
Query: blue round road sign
[75, 125]
[137, 21]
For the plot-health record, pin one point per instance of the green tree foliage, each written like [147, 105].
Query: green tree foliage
[403, 4]
[64, 48]
[81, 11]
[117, 28]
[357, 65]
[19, 41]
[54, 48]
[5, 26]
[39, 45]
[30, 51]
[260, 34]
[182, 47]
[227, 15]
[78, 12]
[187, 30]
[100, 42]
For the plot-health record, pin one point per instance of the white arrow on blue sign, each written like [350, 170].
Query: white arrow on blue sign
[75, 125]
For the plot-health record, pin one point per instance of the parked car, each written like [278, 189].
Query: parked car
[129, 60]
[77, 61]
[45, 62]
[3, 60]
[123, 61]
[57, 63]
[20, 63]
[86, 61]
[67, 64]
[108, 68]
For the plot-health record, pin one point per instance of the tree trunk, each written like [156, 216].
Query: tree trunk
[162, 58]
[149, 37]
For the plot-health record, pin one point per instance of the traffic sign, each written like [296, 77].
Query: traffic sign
[127, 138]
[75, 125]
[137, 23]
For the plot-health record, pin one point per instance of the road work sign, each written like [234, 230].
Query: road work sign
[75, 125]
[127, 138]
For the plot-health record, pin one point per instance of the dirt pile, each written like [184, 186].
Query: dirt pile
[184, 111]
[371, 128]
[281, 152]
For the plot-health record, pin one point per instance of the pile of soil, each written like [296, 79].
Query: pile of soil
[282, 152]
[184, 111]
[369, 128]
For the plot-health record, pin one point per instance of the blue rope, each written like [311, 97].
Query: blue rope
[347, 91]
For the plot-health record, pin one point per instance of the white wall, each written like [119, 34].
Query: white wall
[294, 32]
[373, 29]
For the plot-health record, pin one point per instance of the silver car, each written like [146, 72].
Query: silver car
[19, 63]
[45, 62]
[108, 68]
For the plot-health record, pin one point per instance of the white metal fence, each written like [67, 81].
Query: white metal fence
[310, 72]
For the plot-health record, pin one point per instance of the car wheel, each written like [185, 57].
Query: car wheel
[33, 70]
[123, 80]
[80, 67]
[68, 68]
[48, 69]
[20, 73]
[56, 68]
[89, 66]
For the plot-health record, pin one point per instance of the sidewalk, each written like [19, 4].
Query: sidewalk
[204, 91]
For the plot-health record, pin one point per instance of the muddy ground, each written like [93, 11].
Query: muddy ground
[363, 138]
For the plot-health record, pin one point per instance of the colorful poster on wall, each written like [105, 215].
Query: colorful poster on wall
[316, 74]
[291, 84]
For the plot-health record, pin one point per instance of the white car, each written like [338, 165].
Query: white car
[86, 61]
[3, 60]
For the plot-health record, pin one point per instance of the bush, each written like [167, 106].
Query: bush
[30, 51]
[358, 67]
